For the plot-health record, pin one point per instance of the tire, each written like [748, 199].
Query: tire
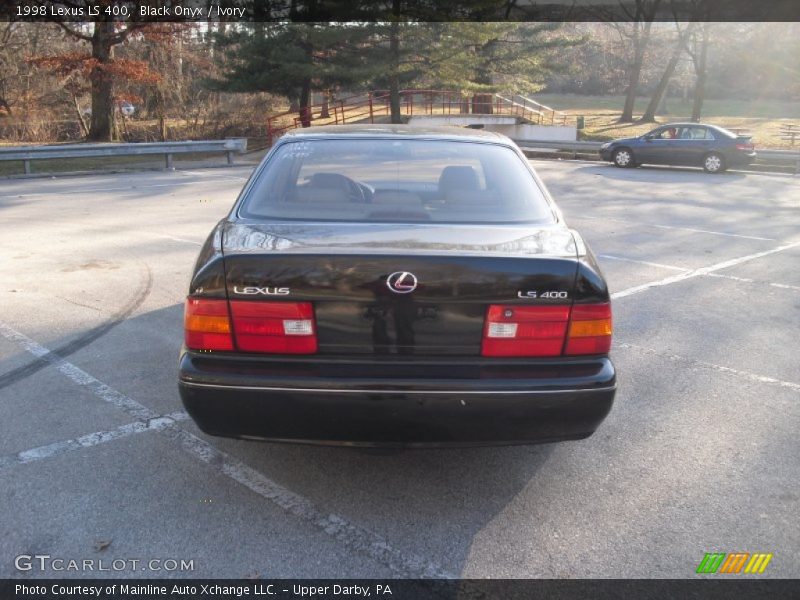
[713, 163]
[623, 158]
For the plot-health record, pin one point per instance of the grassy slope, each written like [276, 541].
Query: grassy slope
[761, 119]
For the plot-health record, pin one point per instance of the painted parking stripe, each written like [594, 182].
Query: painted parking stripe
[91, 439]
[642, 262]
[127, 188]
[754, 377]
[355, 538]
[700, 272]
[782, 286]
[178, 239]
[689, 229]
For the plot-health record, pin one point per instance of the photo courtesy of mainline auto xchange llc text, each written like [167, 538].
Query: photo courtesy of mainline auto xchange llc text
[249, 590]
[471, 299]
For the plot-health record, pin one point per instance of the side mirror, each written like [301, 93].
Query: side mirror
[648, 137]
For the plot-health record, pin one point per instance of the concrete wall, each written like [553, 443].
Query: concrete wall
[462, 120]
[556, 133]
[502, 124]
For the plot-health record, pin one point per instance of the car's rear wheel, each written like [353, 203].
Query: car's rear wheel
[623, 158]
[713, 163]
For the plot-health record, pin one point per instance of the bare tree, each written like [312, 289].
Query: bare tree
[635, 32]
[697, 48]
[104, 37]
[649, 115]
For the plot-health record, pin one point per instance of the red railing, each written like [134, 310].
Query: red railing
[424, 102]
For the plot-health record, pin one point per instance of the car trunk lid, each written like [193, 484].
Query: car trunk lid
[399, 288]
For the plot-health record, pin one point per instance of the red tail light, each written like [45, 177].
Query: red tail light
[542, 330]
[206, 324]
[274, 327]
[524, 330]
[589, 329]
[747, 147]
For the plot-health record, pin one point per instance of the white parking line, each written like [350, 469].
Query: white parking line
[701, 271]
[91, 439]
[782, 286]
[690, 229]
[754, 377]
[177, 239]
[79, 376]
[127, 188]
[643, 262]
[217, 176]
[353, 537]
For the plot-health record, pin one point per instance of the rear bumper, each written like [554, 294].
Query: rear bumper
[331, 402]
[741, 159]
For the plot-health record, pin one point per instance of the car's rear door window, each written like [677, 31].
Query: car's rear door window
[696, 133]
[403, 180]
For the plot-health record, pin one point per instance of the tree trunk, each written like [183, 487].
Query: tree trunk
[305, 102]
[649, 115]
[482, 104]
[700, 83]
[646, 11]
[81, 120]
[102, 124]
[5, 105]
[394, 76]
[325, 111]
[640, 44]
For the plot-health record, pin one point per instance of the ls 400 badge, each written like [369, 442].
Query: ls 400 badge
[267, 291]
[533, 294]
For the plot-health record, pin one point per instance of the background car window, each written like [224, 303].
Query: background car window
[396, 180]
[696, 133]
[668, 133]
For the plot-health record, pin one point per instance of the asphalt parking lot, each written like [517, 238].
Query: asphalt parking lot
[700, 453]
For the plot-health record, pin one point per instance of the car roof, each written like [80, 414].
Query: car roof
[686, 125]
[445, 132]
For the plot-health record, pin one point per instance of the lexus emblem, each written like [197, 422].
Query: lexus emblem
[402, 282]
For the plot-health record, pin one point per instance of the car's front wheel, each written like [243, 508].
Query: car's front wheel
[713, 163]
[623, 158]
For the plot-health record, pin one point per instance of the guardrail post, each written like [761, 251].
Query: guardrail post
[26, 166]
[230, 156]
[168, 158]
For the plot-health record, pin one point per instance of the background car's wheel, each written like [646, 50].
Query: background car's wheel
[623, 158]
[713, 163]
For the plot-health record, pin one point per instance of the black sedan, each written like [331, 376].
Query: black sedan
[686, 144]
[401, 286]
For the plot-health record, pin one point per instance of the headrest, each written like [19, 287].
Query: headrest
[329, 180]
[458, 178]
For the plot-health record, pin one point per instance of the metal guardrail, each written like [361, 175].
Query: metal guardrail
[768, 156]
[27, 154]
[566, 146]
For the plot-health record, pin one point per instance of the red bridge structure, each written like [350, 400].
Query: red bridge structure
[375, 107]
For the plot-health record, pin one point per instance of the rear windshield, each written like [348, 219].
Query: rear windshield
[366, 180]
[726, 132]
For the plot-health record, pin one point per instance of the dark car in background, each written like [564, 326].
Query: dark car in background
[392, 285]
[683, 144]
